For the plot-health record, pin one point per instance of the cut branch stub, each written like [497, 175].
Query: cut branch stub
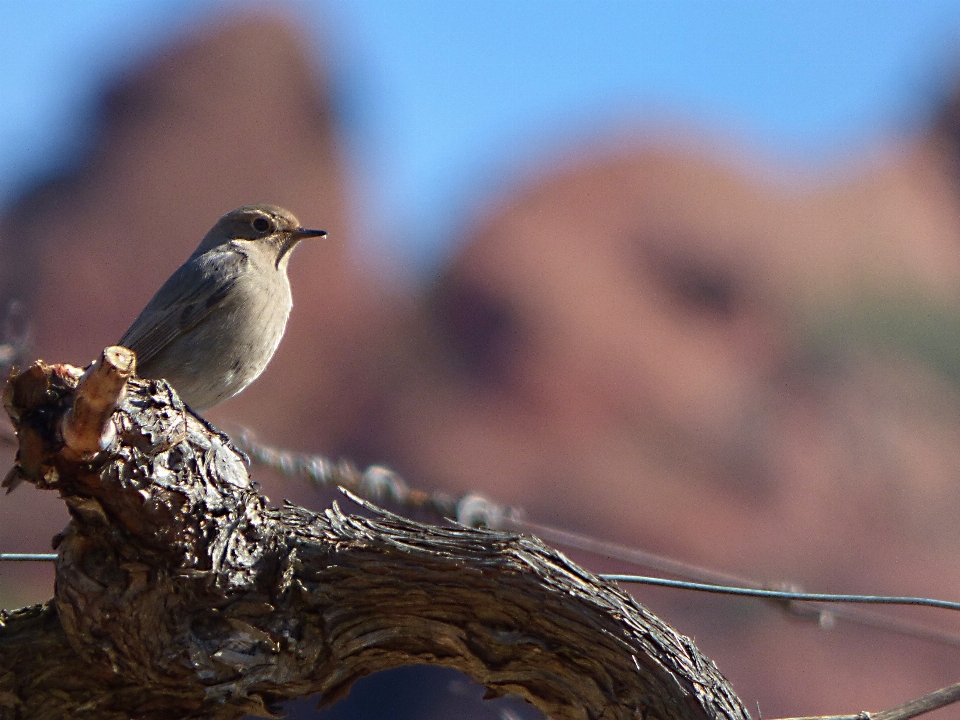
[87, 427]
[180, 594]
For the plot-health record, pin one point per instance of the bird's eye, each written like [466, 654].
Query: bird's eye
[262, 225]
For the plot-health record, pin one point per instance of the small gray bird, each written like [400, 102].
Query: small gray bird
[215, 323]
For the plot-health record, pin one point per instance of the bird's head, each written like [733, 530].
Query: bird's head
[266, 225]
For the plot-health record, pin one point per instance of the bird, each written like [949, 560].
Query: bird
[214, 325]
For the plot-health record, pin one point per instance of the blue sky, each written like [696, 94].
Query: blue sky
[447, 96]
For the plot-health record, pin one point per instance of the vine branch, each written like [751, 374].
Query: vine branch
[179, 593]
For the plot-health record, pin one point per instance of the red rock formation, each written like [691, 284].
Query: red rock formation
[622, 346]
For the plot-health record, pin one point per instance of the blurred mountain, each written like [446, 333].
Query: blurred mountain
[675, 345]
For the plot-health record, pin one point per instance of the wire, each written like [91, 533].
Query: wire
[785, 594]
[682, 585]
[634, 556]
[825, 616]
[29, 557]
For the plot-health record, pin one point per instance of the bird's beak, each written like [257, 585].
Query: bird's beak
[295, 237]
[303, 233]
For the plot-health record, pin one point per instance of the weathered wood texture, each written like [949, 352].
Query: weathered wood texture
[179, 593]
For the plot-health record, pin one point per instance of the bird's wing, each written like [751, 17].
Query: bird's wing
[188, 296]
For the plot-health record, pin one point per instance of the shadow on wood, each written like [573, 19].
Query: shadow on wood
[179, 593]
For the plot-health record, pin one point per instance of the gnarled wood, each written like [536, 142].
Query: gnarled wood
[180, 594]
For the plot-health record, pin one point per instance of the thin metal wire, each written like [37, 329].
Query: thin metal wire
[29, 557]
[682, 585]
[376, 483]
[824, 615]
[785, 594]
[634, 556]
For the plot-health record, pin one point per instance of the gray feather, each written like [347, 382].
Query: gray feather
[191, 294]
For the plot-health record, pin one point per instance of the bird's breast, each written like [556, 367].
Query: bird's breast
[225, 352]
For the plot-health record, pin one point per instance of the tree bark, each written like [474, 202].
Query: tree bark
[179, 593]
